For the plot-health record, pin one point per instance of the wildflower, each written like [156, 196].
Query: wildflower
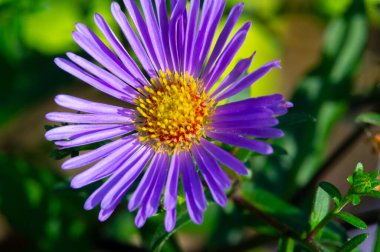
[173, 113]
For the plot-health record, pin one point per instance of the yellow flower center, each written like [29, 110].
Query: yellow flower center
[173, 112]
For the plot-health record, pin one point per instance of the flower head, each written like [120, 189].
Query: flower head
[167, 130]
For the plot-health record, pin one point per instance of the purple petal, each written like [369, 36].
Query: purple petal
[144, 185]
[67, 117]
[195, 212]
[247, 81]
[235, 107]
[82, 105]
[239, 70]
[131, 170]
[153, 201]
[171, 192]
[94, 155]
[164, 30]
[78, 72]
[212, 24]
[229, 25]
[254, 145]
[260, 132]
[226, 57]
[191, 31]
[96, 137]
[103, 75]
[150, 44]
[214, 168]
[105, 166]
[170, 219]
[89, 42]
[191, 174]
[97, 196]
[216, 190]
[243, 124]
[74, 131]
[152, 26]
[249, 115]
[133, 40]
[225, 157]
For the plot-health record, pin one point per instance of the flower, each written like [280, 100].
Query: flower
[173, 113]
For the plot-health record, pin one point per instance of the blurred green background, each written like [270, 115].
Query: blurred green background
[330, 52]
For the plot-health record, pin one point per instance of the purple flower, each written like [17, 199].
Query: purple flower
[173, 113]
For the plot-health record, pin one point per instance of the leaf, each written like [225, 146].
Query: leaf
[370, 118]
[321, 207]
[286, 245]
[161, 235]
[353, 243]
[352, 219]
[273, 206]
[374, 194]
[332, 191]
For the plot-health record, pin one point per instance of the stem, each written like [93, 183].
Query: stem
[283, 229]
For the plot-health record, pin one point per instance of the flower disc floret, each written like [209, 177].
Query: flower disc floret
[173, 112]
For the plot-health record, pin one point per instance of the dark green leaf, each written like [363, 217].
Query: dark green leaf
[332, 191]
[352, 219]
[370, 118]
[374, 194]
[321, 207]
[274, 206]
[353, 243]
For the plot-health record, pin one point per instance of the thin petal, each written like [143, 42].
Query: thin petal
[227, 29]
[171, 192]
[78, 104]
[96, 136]
[216, 190]
[226, 57]
[124, 56]
[225, 157]
[247, 81]
[240, 69]
[67, 117]
[94, 155]
[133, 40]
[74, 131]
[106, 166]
[78, 72]
[254, 145]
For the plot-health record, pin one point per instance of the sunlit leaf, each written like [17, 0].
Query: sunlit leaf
[321, 207]
[351, 219]
[370, 118]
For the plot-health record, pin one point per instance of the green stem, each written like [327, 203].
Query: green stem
[283, 229]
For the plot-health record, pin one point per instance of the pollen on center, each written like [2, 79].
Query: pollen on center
[173, 112]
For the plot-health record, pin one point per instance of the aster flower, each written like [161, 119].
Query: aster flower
[172, 115]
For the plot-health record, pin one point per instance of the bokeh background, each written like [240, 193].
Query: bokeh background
[330, 52]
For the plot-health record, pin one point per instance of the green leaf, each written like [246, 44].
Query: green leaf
[321, 207]
[352, 219]
[332, 191]
[374, 194]
[355, 200]
[353, 243]
[286, 245]
[370, 118]
[161, 235]
[274, 206]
